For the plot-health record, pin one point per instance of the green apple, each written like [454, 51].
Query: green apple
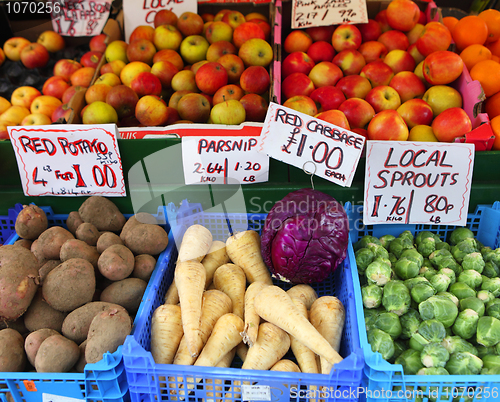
[116, 50]
[194, 48]
[256, 52]
[228, 112]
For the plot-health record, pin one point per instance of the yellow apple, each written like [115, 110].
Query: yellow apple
[45, 104]
[99, 113]
[442, 97]
[24, 96]
[108, 78]
[52, 41]
[13, 47]
[422, 132]
[131, 70]
[4, 104]
[15, 114]
[36, 119]
[116, 50]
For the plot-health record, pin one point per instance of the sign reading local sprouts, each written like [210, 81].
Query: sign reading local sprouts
[417, 182]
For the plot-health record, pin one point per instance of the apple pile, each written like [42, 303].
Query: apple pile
[388, 79]
[210, 68]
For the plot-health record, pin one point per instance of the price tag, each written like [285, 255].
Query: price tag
[143, 12]
[313, 13]
[69, 160]
[255, 392]
[222, 160]
[59, 398]
[311, 144]
[417, 182]
[80, 17]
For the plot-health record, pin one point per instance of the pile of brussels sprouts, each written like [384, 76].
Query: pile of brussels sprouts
[430, 305]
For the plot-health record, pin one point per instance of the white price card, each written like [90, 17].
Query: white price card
[311, 144]
[69, 160]
[255, 392]
[59, 398]
[307, 13]
[80, 17]
[223, 160]
[417, 182]
[143, 12]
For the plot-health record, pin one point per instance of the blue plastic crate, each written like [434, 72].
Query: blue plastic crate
[386, 382]
[104, 381]
[150, 382]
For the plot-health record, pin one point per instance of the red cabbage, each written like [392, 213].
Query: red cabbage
[305, 236]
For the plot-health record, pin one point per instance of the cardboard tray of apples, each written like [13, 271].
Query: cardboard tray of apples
[370, 78]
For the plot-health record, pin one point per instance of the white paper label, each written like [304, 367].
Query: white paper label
[80, 17]
[307, 13]
[69, 160]
[223, 160]
[311, 144]
[417, 182]
[58, 398]
[255, 392]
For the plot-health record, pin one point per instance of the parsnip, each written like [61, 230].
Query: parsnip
[166, 333]
[230, 279]
[306, 358]
[285, 365]
[216, 256]
[252, 319]
[195, 243]
[242, 351]
[172, 295]
[303, 292]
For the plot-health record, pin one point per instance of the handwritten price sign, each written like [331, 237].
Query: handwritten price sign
[80, 17]
[223, 160]
[310, 13]
[417, 182]
[69, 161]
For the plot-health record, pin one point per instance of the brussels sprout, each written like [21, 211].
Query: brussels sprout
[409, 323]
[427, 272]
[491, 371]
[485, 296]
[473, 303]
[464, 363]
[441, 282]
[460, 250]
[484, 351]
[406, 234]
[378, 250]
[493, 256]
[453, 265]
[406, 269]
[425, 234]
[448, 295]
[372, 296]
[440, 308]
[410, 360]
[381, 342]
[455, 344]
[471, 278]
[427, 246]
[466, 323]
[363, 256]
[443, 259]
[389, 323]
[493, 308]
[459, 234]
[442, 245]
[432, 371]
[462, 290]
[400, 244]
[410, 283]
[385, 240]
[370, 317]
[422, 291]
[488, 331]
[378, 273]
[485, 250]
[491, 284]
[434, 355]
[497, 349]
[473, 261]
[449, 273]
[363, 242]
[490, 269]
[413, 255]
[428, 331]
[396, 297]
[399, 347]
[491, 361]
[392, 258]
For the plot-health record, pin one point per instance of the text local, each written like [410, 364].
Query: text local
[315, 126]
[46, 145]
[416, 159]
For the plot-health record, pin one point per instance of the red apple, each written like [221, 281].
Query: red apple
[378, 73]
[184, 80]
[167, 37]
[336, 117]
[350, 61]
[13, 47]
[325, 73]
[415, 112]
[370, 31]
[194, 68]
[388, 125]
[234, 18]
[297, 41]
[354, 86]
[383, 97]
[169, 55]
[24, 96]
[394, 40]
[255, 79]
[372, 51]
[123, 99]
[173, 116]
[346, 36]
[97, 92]
[442, 67]
[228, 112]
[210, 77]
[302, 103]
[219, 49]
[190, 23]
[400, 60]
[52, 41]
[408, 85]
[327, 97]
[142, 32]
[82, 77]
[194, 107]
[98, 43]
[321, 51]
[360, 131]
[68, 94]
[255, 107]
[165, 71]
[435, 36]
[450, 124]
[265, 26]
[131, 70]
[357, 111]
[91, 58]
[151, 110]
[246, 31]
[141, 50]
[297, 84]
[296, 62]
[402, 14]
[34, 55]
[146, 83]
[165, 17]
[55, 86]
[423, 18]
[65, 67]
[115, 67]
[322, 33]
[234, 67]
[62, 112]
[227, 92]
[381, 18]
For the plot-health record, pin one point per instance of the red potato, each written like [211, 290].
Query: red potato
[31, 222]
[40, 315]
[12, 355]
[24, 243]
[37, 250]
[88, 233]
[144, 265]
[51, 241]
[106, 240]
[146, 239]
[34, 340]
[56, 354]
[116, 262]
[75, 248]
[127, 293]
[102, 213]
[82, 362]
[46, 268]
[73, 221]
[134, 220]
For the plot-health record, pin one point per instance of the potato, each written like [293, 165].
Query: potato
[107, 239]
[18, 325]
[127, 293]
[70, 285]
[12, 355]
[31, 222]
[46, 268]
[56, 354]
[116, 262]
[146, 239]
[38, 252]
[18, 272]
[77, 323]
[134, 220]
[34, 340]
[81, 363]
[103, 213]
[41, 315]
[88, 233]
[51, 240]
[75, 248]
[24, 243]
[107, 331]
[144, 266]
[73, 221]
